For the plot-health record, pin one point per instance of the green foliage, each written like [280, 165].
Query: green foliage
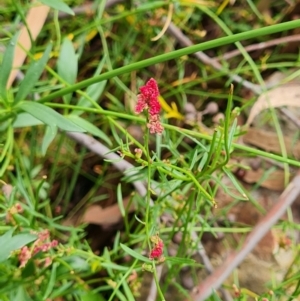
[86, 80]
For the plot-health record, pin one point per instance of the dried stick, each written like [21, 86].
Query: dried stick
[215, 280]
[263, 45]
[207, 264]
[98, 148]
[87, 8]
[291, 116]
[185, 41]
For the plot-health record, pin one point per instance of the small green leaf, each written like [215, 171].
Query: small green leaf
[110, 265]
[67, 65]
[26, 119]
[32, 75]
[134, 254]
[178, 260]
[6, 65]
[120, 200]
[9, 244]
[6, 236]
[51, 281]
[89, 127]
[49, 116]
[90, 296]
[59, 5]
[21, 294]
[50, 134]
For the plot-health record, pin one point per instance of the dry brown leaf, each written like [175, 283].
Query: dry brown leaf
[286, 95]
[105, 217]
[269, 142]
[97, 215]
[35, 19]
[275, 180]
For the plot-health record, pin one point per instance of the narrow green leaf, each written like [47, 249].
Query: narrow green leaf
[90, 296]
[67, 65]
[59, 5]
[89, 127]
[127, 291]
[236, 184]
[14, 243]
[50, 134]
[49, 116]
[93, 91]
[21, 294]
[26, 119]
[6, 65]
[51, 281]
[120, 200]
[6, 237]
[110, 265]
[32, 75]
[215, 296]
[178, 260]
[134, 254]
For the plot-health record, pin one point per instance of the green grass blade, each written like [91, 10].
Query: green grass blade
[6, 65]
[32, 75]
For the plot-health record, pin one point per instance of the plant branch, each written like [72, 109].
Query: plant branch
[259, 46]
[173, 55]
[215, 280]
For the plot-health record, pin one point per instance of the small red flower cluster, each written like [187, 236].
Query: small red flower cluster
[148, 100]
[157, 251]
[38, 246]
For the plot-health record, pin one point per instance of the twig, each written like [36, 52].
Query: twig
[215, 280]
[259, 46]
[87, 8]
[208, 266]
[98, 148]
[185, 41]
[291, 116]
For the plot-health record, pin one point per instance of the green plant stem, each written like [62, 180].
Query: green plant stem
[125, 276]
[260, 80]
[148, 196]
[157, 282]
[192, 133]
[174, 55]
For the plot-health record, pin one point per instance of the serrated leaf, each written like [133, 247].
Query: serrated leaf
[89, 127]
[134, 254]
[32, 75]
[6, 65]
[59, 5]
[49, 116]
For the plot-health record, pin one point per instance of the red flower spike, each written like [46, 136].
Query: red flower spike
[157, 251]
[149, 94]
[148, 100]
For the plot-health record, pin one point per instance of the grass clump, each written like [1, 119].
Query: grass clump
[100, 128]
